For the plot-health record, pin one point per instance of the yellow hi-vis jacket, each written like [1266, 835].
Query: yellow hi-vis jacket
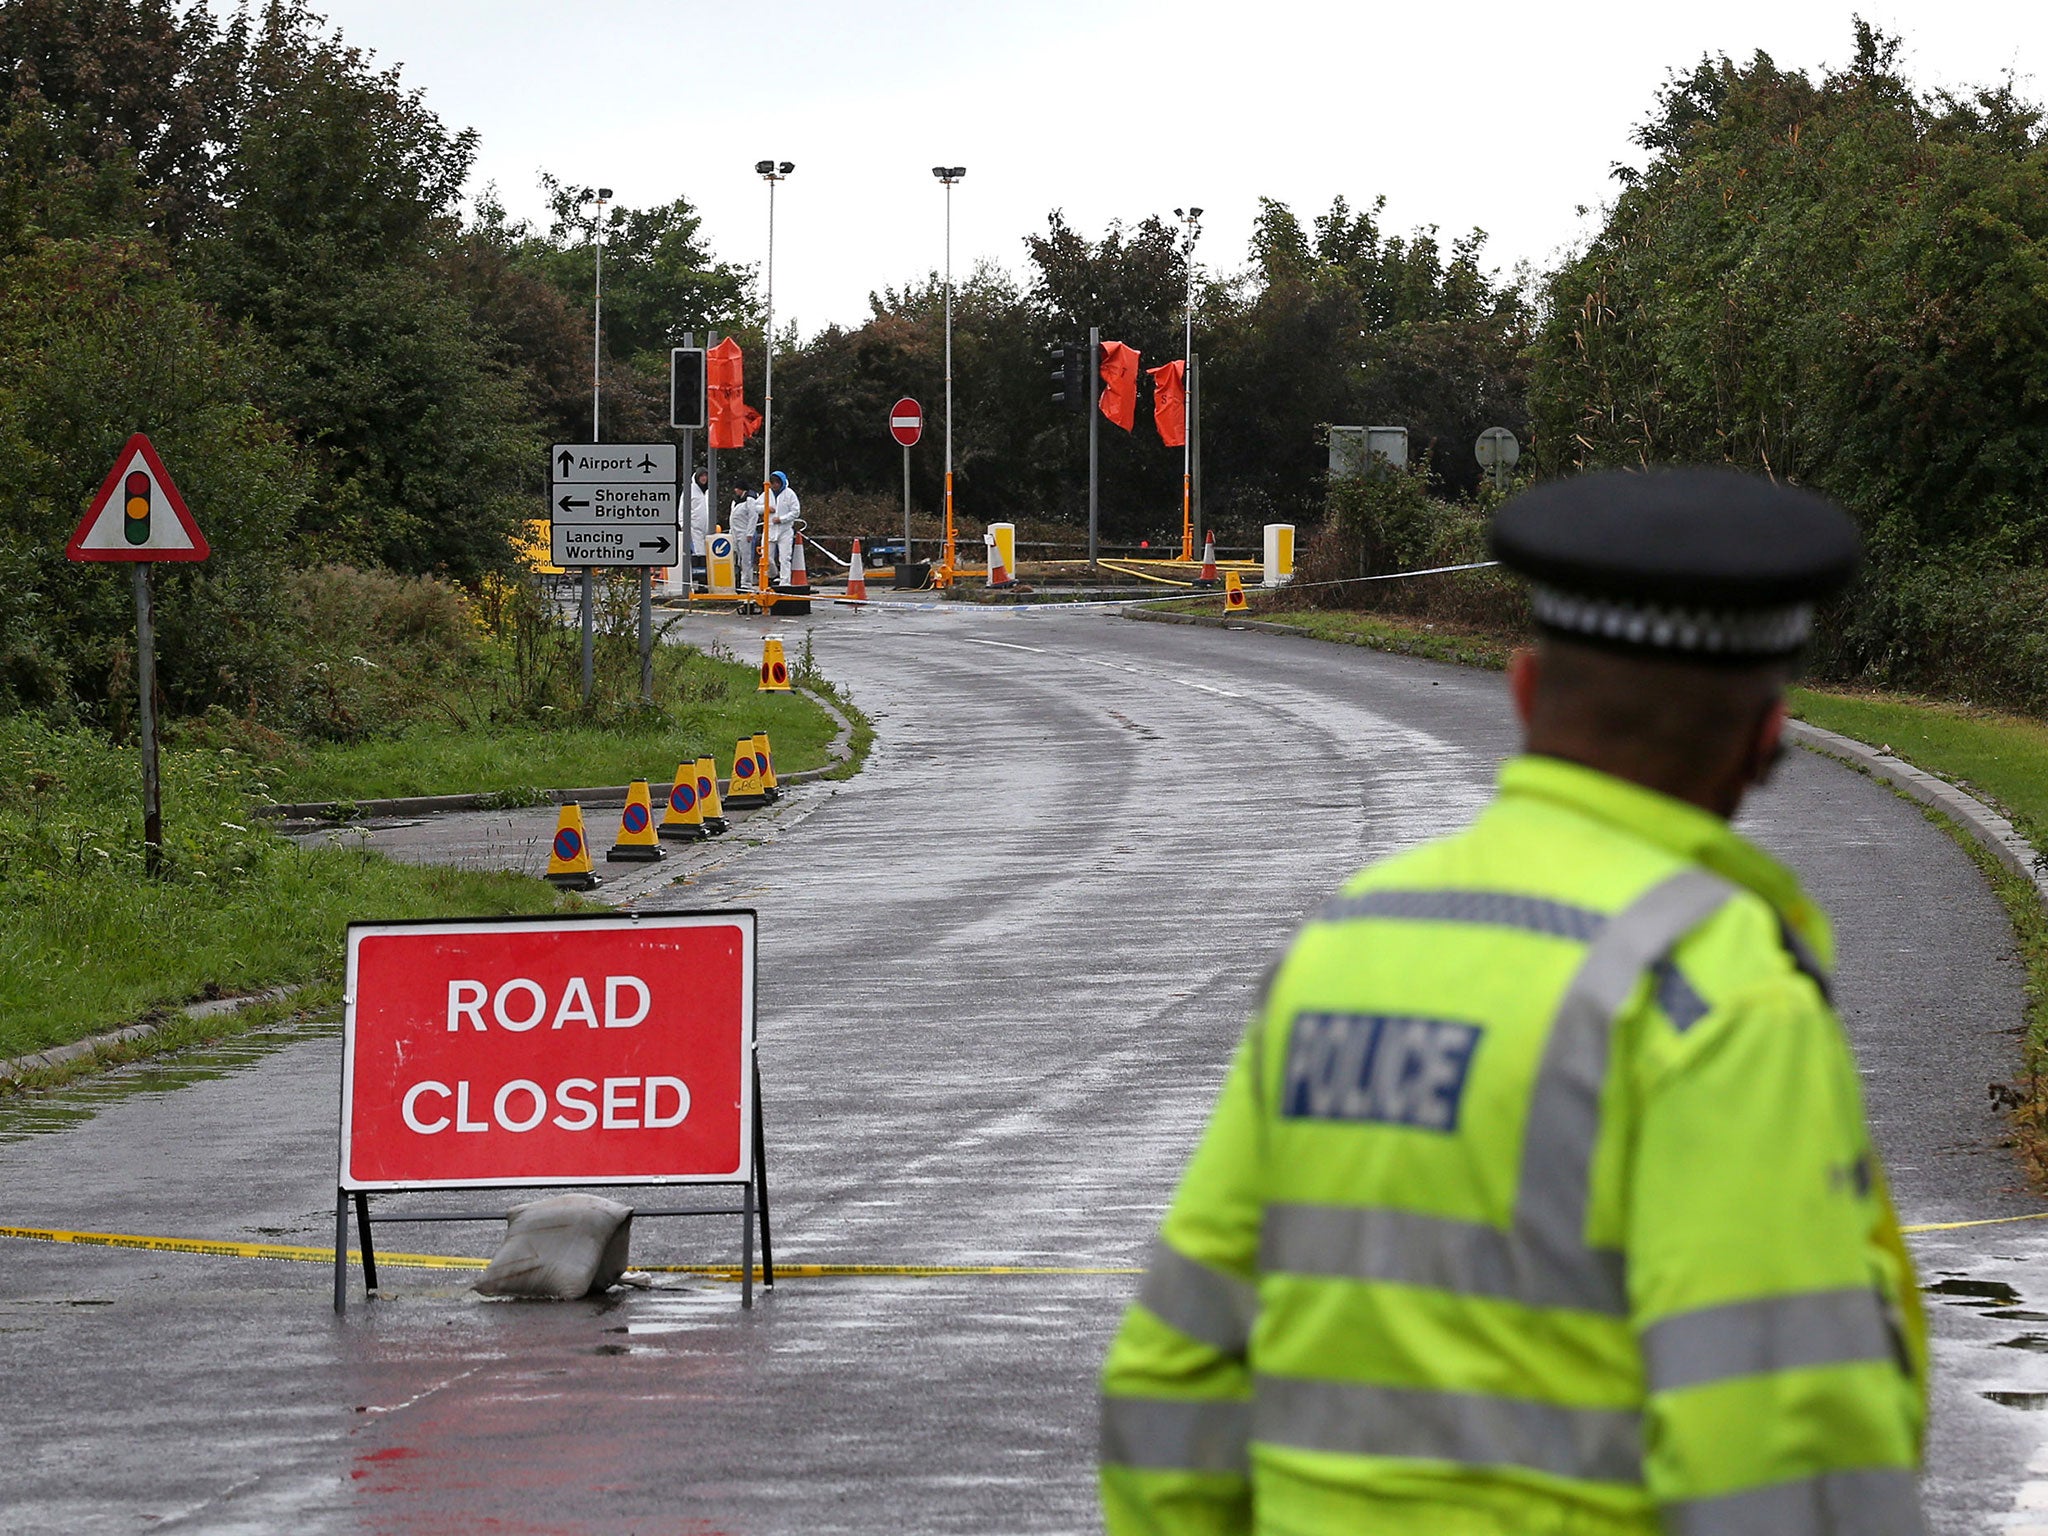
[1538, 1199]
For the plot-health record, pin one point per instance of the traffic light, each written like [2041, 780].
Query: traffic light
[686, 387]
[1069, 378]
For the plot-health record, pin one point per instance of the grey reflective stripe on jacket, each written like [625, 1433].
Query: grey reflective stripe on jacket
[1470, 1428]
[1199, 1300]
[1755, 1338]
[1171, 1434]
[1873, 1501]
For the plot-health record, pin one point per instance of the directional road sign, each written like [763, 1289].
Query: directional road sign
[138, 513]
[906, 421]
[632, 463]
[610, 503]
[613, 504]
[618, 544]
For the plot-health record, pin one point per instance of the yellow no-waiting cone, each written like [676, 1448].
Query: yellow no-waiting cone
[765, 759]
[683, 820]
[774, 666]
[707, 796]
[569, 858]
[744, 793]
[1233, 594]
[638, 842]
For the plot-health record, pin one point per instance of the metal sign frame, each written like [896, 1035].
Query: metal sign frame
[751, 1178]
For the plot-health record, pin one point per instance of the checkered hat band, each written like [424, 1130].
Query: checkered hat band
[1689, 631]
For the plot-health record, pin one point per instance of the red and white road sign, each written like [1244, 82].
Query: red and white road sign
[608, 1050]
[906, 421]
[138, 513]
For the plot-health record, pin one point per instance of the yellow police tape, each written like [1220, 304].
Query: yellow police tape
[1986, 1221]
[307, 1255]
[295, 1253]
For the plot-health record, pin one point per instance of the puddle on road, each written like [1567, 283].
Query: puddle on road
[2033, 1341]
[2028, 1402]
[1972, 1293]
[36, 1114]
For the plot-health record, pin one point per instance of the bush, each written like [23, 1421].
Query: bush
[1953, 629]
[1391, 523]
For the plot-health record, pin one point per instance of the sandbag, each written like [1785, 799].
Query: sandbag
[562, 1247]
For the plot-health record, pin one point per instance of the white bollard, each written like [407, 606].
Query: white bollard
[1005, 535]
[1279, 554]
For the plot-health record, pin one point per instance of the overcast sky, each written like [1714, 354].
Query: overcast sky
[1504, 116]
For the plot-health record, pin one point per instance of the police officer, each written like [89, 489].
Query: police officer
[1538, 1197]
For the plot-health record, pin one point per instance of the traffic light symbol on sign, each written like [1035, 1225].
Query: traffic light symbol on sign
[136, 505]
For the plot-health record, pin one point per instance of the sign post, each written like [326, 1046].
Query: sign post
[138, 516]
[686, 413]
[906, 425]
[527, 1053]
[614, 504]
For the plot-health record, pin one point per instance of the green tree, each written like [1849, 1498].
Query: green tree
[96, 339]
[1838, 281]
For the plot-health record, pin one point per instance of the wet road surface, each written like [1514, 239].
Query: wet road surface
[1001, 972]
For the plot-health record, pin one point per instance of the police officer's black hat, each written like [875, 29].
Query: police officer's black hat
[1698, 563]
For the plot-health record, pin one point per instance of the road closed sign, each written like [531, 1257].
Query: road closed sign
[604, 1050]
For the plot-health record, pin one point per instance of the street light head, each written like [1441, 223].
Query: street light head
[939, 171]
[1194, 213]
[764, 167]
[1180, 213]
[957, 172]
[786, 167]
[604, 194]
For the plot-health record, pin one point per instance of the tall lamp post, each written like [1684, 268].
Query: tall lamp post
[1190, 223]
[770, 171]
[588, 615]
[949, 563]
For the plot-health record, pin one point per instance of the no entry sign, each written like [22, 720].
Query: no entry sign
[605, 1050]
[906, 421]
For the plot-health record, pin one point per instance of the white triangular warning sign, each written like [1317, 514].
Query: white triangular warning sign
[138, 514]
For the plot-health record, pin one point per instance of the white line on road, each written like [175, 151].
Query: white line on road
[1005, 645]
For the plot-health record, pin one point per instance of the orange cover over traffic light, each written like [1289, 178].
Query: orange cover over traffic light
[1120, 383]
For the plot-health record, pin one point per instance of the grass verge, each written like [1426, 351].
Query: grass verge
[709, 703]
[1402, 637]
[89, 942]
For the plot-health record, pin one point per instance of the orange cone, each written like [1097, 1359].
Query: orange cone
[707, 796]
[1208, 576]
[569, 856]
[794, 595]
[856, 578]
[999, 575]
[639, 842]
[744, 792]
[684, 818]
[1233, 594]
